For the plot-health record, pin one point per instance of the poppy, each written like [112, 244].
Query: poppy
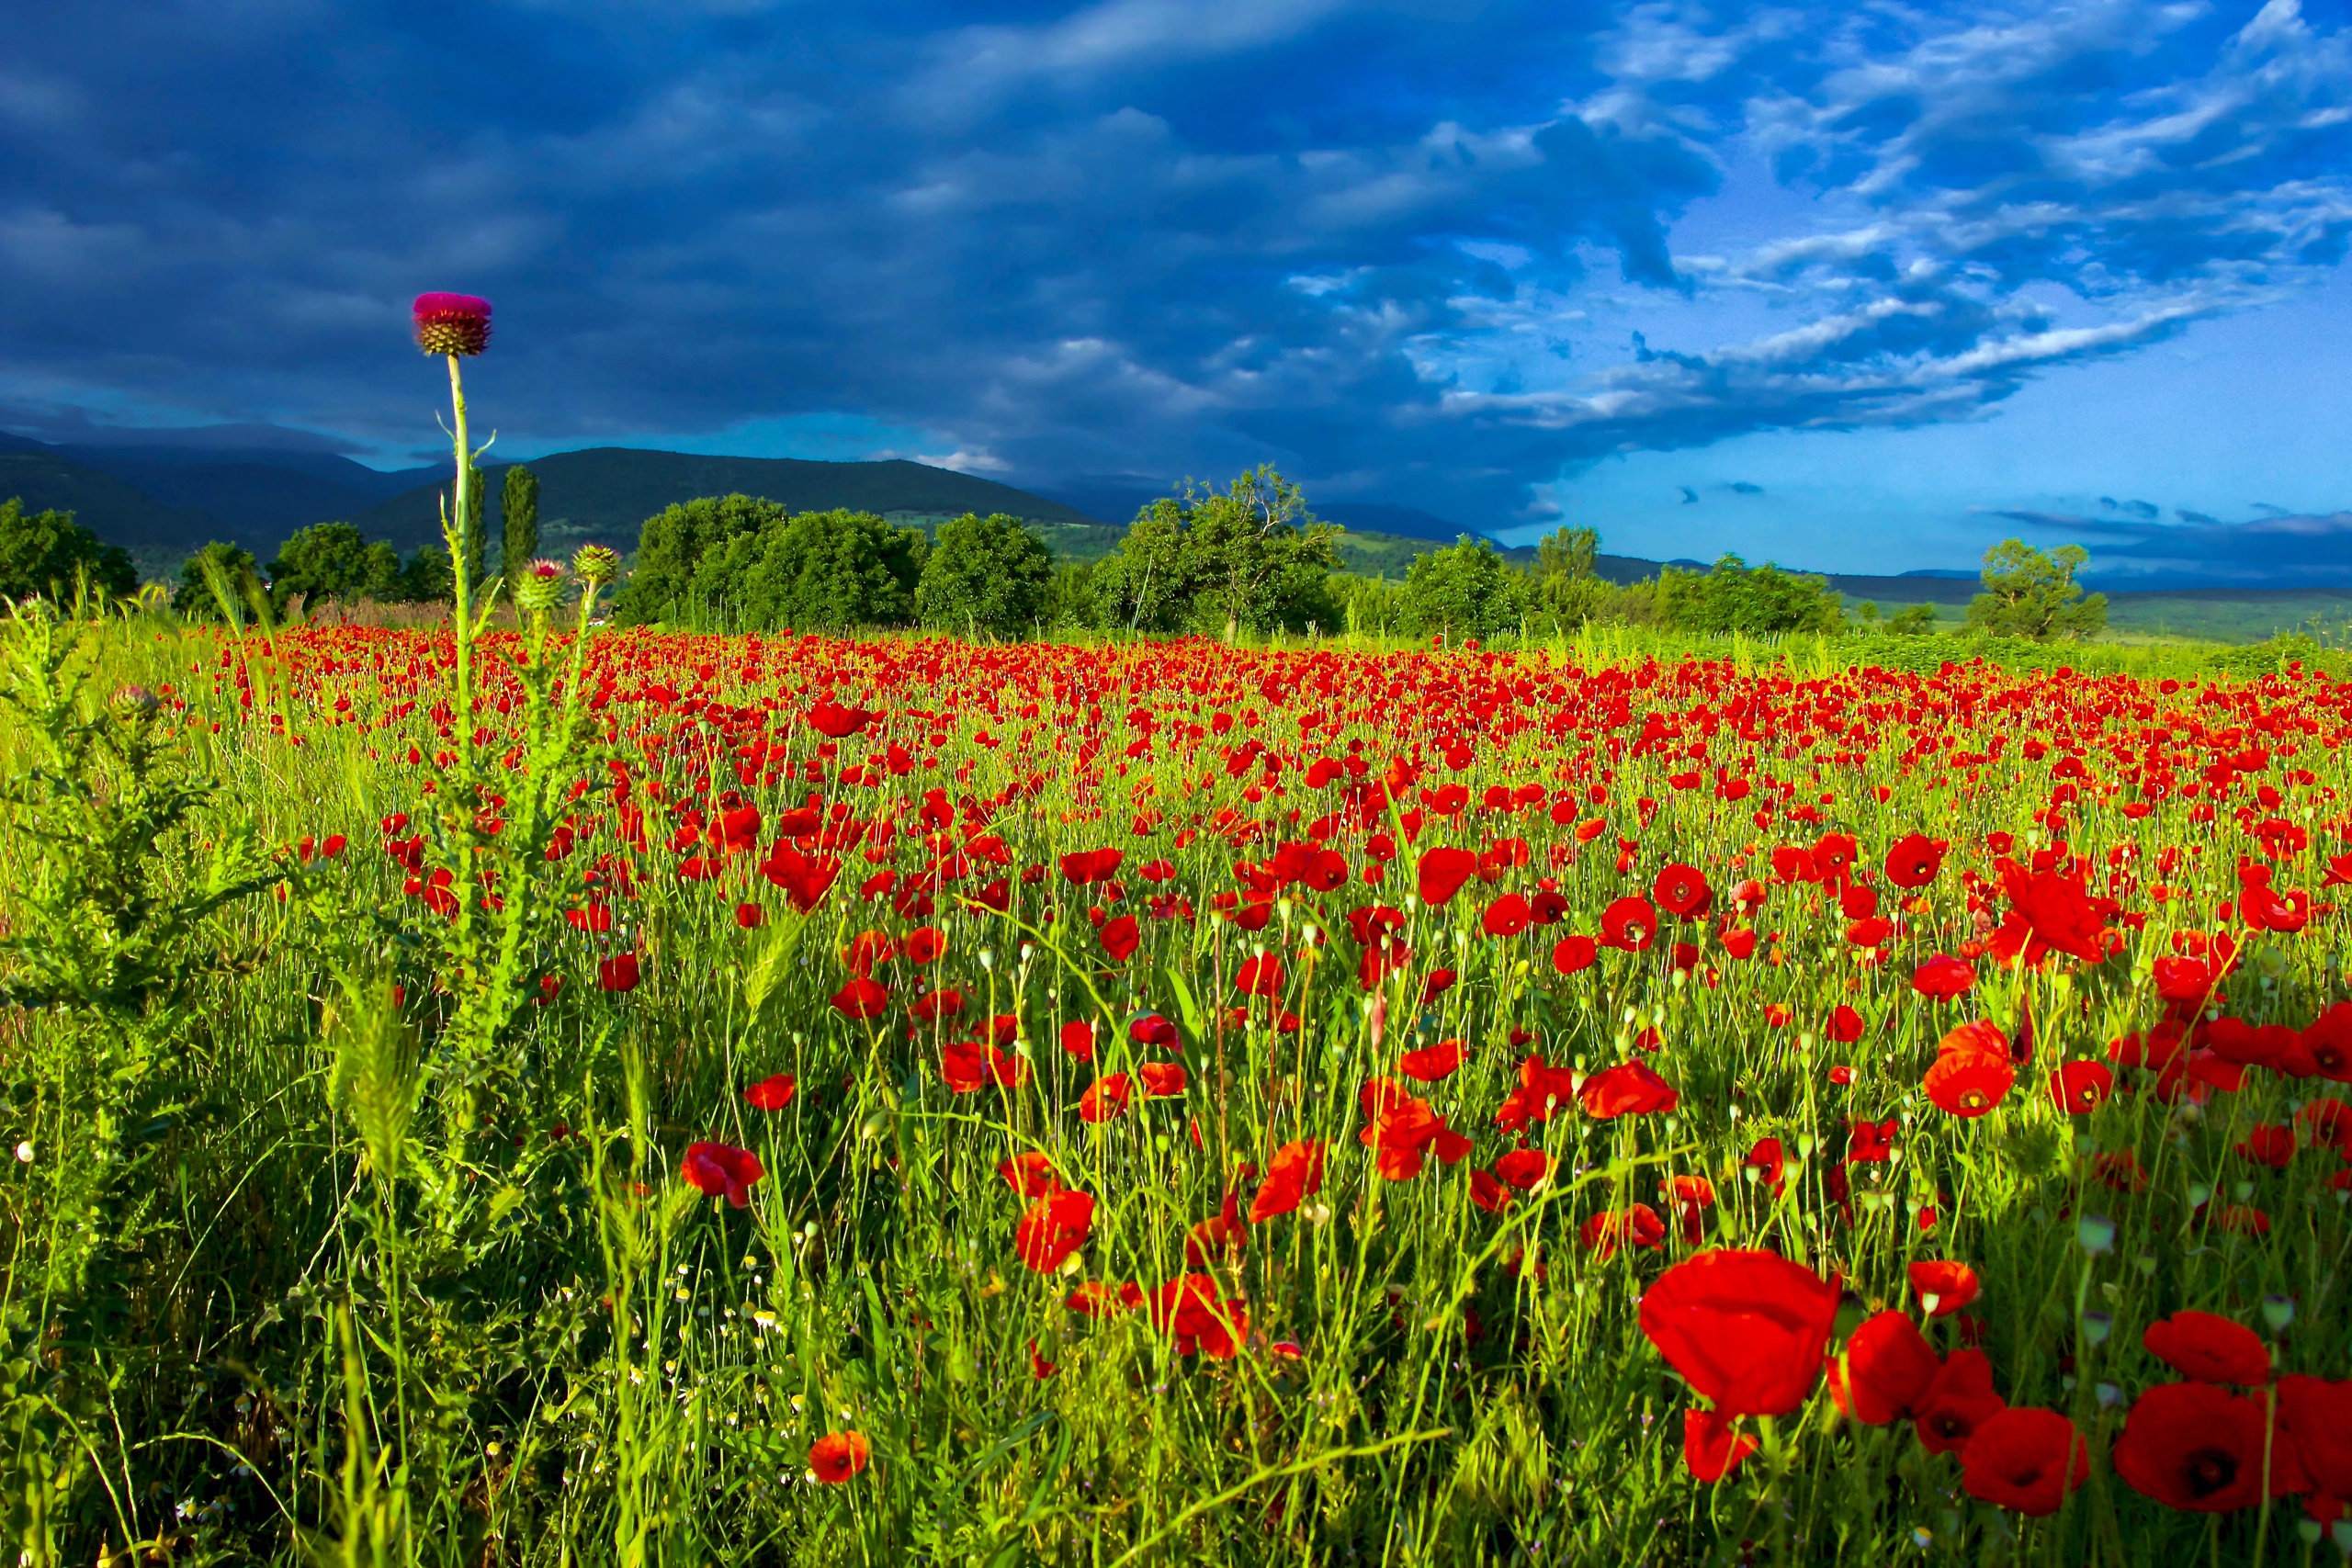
[1574, 954]
[1709, 1447]
[1507, 916]
[1491, 1194]
[1542, 1089]
[1770, 1162]
[1161, 1081]
[1191, 1313]
[1077, 1038]
[750, 917]
[1913, 860]
[924, 944]
[861, 997]
[1120, 938]
[1628, 1088]
[1681, 891]
[617, 974]
[1969, 1083]
[771, 1093]
[1260, 976]
[835, 722]
[2200, 1449]
[1744, 1328]
[1294, 1175]
[1638, 1226]
[838, 1455]
[1957, 1403]
[1433, 1063]
[1088, 866]
[2049, 913]
[1943, 1287]
[1221, 1236]
[1869, 1142]
[1885, 1370]
[1845, 1026]
[1441, 873]
[1943, 978]
[1106, 1099]
[1628, 924]
[1152, 1029]
[1401, 1130]
[1054, 1226]
[2268, 1143]
[2207, 1349]
[2318, 1416]
[2025, 1460]
[1523, 1169]
[2081, 1088]
[722, 1170]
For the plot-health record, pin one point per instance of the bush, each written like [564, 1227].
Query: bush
[1463, 591]
[47, 553]
[671, 544]
[1253, 560]
[192, 597]
[1736, 597]
[987, 576]
[832, 570]
[327, 562]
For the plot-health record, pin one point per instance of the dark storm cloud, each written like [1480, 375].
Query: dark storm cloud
[2296, 551]
[1140, 236]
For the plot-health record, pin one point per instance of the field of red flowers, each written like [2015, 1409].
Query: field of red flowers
[1160, 1102]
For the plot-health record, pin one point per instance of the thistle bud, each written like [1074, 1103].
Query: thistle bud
[598, 563]
[539, 586]
[135, 700]
[451, 323]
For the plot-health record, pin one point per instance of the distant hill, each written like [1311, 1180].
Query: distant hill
[603, 494]
[116, 511]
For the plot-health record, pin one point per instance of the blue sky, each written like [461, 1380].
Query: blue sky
[1854, 285]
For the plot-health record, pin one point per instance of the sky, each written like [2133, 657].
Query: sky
[1857, 286]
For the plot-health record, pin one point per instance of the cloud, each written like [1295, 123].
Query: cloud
[2294, 549]
[1418, 255]
[1741, 486]
[1689, 496]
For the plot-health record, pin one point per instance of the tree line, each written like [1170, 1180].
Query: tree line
[1247, 560]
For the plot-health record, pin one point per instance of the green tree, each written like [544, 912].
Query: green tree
[670, 545]
[1463, 591]
[1253, 559]
[814, 569]
[987, 576]
[1569, 553]
[519, 509]
[1917, 621]
[47, 553]
[329, 562]
[1071, 603]
[2032, 593]
[426, 579]
[192, 598]
[1736, 597]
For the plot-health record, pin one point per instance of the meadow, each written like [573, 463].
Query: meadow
[569, 1095]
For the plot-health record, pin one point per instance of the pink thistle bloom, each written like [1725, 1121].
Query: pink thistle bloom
[451, 323]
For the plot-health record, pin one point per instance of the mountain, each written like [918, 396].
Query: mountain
[604, 494]
[118, 513]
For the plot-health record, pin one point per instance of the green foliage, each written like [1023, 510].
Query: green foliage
[2032, 593]
[426, 579]
[331, 562]
[1251, 560]
[985, 577]
[1736, 597]
[519, 510]
[47, 553]
[1569, 553]
[193, 598]
[1463, 591]
[672, 543]
[1917, 620]
[814, 571]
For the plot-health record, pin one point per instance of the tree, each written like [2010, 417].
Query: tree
[1252, 559]
[47, 553]
[194, 599]
[1917, 621]
[1736, 597]
[1463, 591]
[670, 545]
[332, 561]
[2032, 593]
[812, 570]
[987, 576]
[426, 579]
[1569, 553]
[519, 509]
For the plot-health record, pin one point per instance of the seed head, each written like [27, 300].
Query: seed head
[451, 323]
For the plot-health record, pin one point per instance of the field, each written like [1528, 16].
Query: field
[586, 1097]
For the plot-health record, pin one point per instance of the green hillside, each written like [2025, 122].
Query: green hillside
[117, 513]
[603, 494]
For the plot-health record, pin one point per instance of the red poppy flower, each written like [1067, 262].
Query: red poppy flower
[1441, 873]
[1574, 954]
[1943, 978]
[861, 997]
[1709, 1447]
[1969, 1083]
[2081, 1088]
[2025, 1460]
[838, 1455]
[722, 1170]
[1106, 1099]
[1744, 1328]
[1523, 1169]
[2200, 1449]
[1770, 1162]
[1540, 1090]
[806, 879]
[1434, 1062]
[1161, 1081]
[1638, 1226]
[1507, 916]
[1958, 1401]
[1077, 1038]
[1191, 1312]
[1953, 1286]
[1628, 1088]
[1845, 1026]
[1885, 1370]
[2268, 1143]
[1869, 1142]
[2318, 1417]
[2208, 1348]
[2049, 913]
[1683, 891]
[1401, 1131]
[1630, 924]
[1294, 1175]
[835, 722]
[1093, 865]
[1913, 860]
[1120, 938]
[617, 974]
[924, 944]
[1029, 1173]
[771, 1093]
[1053, 1227]
[1260, 976]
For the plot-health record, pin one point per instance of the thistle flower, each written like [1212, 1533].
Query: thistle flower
[451, 323]
[539, 586]
[598, 563]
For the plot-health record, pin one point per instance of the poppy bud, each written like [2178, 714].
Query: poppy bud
[451, 323]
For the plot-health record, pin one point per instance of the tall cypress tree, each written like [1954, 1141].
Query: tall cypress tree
[520, 507]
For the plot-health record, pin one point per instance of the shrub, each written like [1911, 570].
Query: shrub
[47, 553]
[987, 576]
[1463, 591]
[1736, 597]
[671, 544]
[1252, 559]
[332, 561]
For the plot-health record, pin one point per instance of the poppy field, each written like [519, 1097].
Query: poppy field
[568, 1096]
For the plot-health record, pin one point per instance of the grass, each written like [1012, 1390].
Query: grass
[320, 1270]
